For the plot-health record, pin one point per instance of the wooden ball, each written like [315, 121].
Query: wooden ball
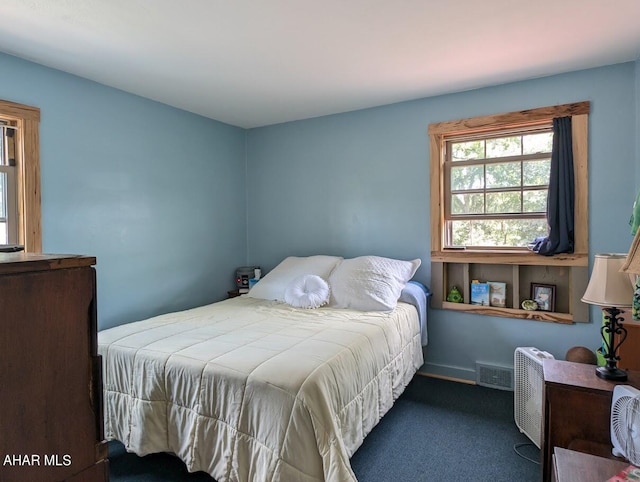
[581, 354]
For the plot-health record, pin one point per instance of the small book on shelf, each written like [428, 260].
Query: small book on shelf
[497, 293]
[630, 473]
[480, 294]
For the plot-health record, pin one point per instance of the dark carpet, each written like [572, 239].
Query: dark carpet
[437, 431]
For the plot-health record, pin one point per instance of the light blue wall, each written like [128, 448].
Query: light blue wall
[155, 193]
[170, 203]
[358, 183]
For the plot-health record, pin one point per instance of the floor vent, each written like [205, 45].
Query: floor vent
[494, 376]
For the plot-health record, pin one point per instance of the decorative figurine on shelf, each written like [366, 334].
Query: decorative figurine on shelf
[454, 295]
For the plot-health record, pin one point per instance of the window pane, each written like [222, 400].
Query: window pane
[534, 201]
[4, 229]
[3, 161]
[467, 177]
[536, 173]
[504, 174]
[464, 151]
[503, 202]
[460, 233]
[467, 203]
[535, 143]
[504, 146]
[3, 195]
[497, 233]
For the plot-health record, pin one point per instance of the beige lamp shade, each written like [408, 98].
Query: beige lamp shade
[632, 263]
[608, 286]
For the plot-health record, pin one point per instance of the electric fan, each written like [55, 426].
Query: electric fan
[529, 384]
[625, 423]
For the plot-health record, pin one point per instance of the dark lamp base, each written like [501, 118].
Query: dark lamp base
[611, 374]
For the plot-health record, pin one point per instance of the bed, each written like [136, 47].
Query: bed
[256, 388]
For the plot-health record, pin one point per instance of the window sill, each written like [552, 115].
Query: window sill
[509, 257]
[549, 316]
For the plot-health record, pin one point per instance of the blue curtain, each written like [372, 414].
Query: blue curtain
[561, 196]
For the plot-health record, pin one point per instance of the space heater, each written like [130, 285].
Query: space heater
[528, 381]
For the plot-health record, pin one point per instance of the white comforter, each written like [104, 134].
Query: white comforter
[253, 390]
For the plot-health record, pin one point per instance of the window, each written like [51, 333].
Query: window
[496, 187]
[8, 185]
[20, 214]
[489, 181]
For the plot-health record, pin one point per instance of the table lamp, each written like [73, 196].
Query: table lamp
[610, 289]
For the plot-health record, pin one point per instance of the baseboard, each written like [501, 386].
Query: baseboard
[456, 374]
[442, 377]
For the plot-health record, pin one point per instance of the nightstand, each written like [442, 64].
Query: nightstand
[576, 410]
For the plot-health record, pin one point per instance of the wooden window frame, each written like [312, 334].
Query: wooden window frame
[27, 120]
[438, 134]
[449, 164]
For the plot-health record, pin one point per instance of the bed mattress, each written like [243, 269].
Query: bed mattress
[254, 390]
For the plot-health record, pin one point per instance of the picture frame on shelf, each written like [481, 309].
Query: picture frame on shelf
[544, 295]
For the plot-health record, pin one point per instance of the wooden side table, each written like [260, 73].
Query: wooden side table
[572, 466]
[576, 410]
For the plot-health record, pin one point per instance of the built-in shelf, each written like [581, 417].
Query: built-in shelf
[510, 312]
[569, 274]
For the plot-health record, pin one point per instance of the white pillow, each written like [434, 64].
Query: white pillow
[274, 284]
[370, 283]
[307, 291]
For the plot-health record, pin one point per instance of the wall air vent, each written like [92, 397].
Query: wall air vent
[494, 376]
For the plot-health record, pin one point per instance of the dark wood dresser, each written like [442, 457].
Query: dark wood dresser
[576, 410]
[50, 374]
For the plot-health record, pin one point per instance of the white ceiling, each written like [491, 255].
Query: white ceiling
[252, 63]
